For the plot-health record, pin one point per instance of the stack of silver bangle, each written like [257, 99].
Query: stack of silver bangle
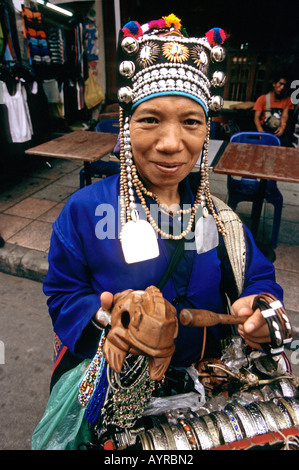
[236, 422]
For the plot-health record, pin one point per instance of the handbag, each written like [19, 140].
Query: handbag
[93, 94]
[271, 121]
[62, 426]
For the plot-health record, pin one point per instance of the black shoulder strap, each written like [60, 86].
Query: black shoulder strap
[228, 284]
[175, 259]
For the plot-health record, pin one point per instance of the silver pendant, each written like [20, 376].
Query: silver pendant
[206, 234]
[139, 242]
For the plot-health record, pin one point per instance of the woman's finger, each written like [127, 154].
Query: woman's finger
[106, 300]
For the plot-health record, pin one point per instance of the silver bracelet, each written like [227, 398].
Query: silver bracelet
[96, 325]
[145, 443]
[268, 416]
[294, 404]
[284, 411]
[169, 436]
[235, 425]
[225, 427]
[158, 439]
[203, 437]
[212, 429]
[180, 438]
[244, 418]
[258, 418]
[287, 387]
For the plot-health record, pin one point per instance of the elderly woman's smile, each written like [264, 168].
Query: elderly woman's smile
[167, 135]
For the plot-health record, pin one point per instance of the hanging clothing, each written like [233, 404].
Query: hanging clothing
[56, 45]
[39, 113]
[36, 36]
[18, 114]
[51, 90]
[10, 49]
[5, 137]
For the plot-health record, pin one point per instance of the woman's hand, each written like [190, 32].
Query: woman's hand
[102, 316]
[255, 330]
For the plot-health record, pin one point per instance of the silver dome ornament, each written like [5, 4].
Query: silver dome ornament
[216, 103]
[218, 79]
[125, 94]
[130, 45]
[127, 68]
[217, 54]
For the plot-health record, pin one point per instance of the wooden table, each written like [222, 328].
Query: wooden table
[263, 162]
[85, 146]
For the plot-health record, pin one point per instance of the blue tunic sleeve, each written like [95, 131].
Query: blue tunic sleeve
[72, 302]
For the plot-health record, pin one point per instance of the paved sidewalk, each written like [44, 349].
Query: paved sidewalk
[28, 208]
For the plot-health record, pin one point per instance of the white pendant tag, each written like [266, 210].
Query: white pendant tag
[206, 234]
[139, 242]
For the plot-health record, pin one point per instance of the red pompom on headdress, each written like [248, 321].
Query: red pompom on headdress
[132, 29]
[157, 24]
[216, 36]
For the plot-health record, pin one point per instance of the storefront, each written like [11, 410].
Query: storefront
[47, 54]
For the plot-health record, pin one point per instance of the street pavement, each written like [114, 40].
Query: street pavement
[27, 336]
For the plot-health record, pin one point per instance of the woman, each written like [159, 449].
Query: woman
[164, 128]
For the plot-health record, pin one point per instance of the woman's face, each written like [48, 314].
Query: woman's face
[167, 135]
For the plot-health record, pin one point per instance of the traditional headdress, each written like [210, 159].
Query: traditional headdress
[159, 59]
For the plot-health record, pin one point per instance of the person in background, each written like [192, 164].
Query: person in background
[272, 111]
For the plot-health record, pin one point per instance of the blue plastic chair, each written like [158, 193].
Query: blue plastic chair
[102, 168]
[108, 125]
[246, 189]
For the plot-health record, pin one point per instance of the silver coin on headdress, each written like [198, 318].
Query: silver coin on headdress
[125, 94]
[218, 79]
[130, 45]
[216, 103]
[127, 68]
[217, 54]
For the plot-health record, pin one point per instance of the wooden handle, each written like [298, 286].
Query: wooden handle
[195, 317]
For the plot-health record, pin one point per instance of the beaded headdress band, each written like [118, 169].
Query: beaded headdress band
[154, 60]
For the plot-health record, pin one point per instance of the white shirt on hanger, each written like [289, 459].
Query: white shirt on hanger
[19, 120]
